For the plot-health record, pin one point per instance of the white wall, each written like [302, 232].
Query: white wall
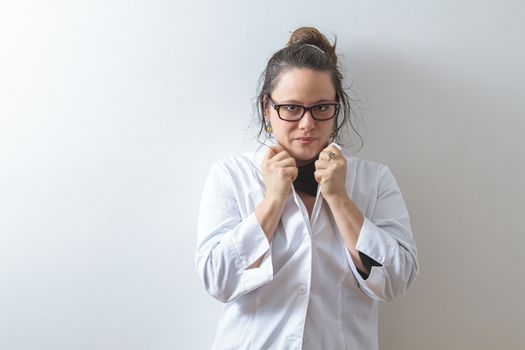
[111, 113]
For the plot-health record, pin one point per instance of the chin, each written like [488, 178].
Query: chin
[305, 154]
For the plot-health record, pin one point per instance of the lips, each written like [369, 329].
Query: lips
[308, 139]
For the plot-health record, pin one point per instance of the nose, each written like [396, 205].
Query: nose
[307, 121]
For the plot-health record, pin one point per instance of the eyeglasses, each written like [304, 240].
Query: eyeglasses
[293, 113]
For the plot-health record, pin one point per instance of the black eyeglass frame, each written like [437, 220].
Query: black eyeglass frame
[305, 109]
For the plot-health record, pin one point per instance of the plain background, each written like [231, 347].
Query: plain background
[111, 113]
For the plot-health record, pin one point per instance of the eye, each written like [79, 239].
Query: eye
[291, 108]
[321, 108]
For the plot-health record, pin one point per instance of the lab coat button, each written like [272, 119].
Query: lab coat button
[302, 289]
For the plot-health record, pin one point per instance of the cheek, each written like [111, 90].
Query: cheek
[327, 129]
[330, 127]
[282, 128]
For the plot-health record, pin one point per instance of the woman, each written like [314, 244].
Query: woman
[298, 240]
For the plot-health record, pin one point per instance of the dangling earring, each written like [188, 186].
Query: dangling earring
[269, 130]
[332, 137]
[268, 127]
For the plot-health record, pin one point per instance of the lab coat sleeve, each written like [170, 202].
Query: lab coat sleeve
[228, 243]
[387, 238]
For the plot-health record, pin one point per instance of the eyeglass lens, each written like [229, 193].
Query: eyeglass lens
[295, 112]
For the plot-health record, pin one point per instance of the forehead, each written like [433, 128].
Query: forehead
[304, 85]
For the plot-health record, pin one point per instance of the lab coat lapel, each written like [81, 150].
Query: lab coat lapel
[292, 219]
[294, 223]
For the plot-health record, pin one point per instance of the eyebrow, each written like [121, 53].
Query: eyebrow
[295, 102]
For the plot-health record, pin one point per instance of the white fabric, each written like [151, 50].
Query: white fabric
[307, 293]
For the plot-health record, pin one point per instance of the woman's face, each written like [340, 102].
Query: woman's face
[305, 138]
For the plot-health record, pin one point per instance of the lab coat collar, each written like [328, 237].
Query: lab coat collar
[289, 214]
[263, 149]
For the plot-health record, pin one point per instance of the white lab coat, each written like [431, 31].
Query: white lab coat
[307, 293]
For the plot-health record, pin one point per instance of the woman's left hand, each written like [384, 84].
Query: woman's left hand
[330, 172]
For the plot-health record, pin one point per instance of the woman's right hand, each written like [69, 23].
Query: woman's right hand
[279, 172]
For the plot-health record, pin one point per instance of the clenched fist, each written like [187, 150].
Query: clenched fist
[330, 172]
[279, 172]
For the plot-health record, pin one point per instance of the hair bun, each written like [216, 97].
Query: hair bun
[312, 36]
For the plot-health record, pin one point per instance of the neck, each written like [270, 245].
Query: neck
[305, 181]
[306, 162]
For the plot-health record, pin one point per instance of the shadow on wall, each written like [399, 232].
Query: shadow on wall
[451, 137]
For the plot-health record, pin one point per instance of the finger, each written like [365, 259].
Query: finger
[294, 172]
[269, 154]
[281, 155]
[322, 164]
[277, 148]
[272, 152]
[290, 172]
[325, 153]
[286, 162]
[333, 149]
[325, 156]
[318, 174]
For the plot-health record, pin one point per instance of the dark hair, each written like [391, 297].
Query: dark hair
[306, 48]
